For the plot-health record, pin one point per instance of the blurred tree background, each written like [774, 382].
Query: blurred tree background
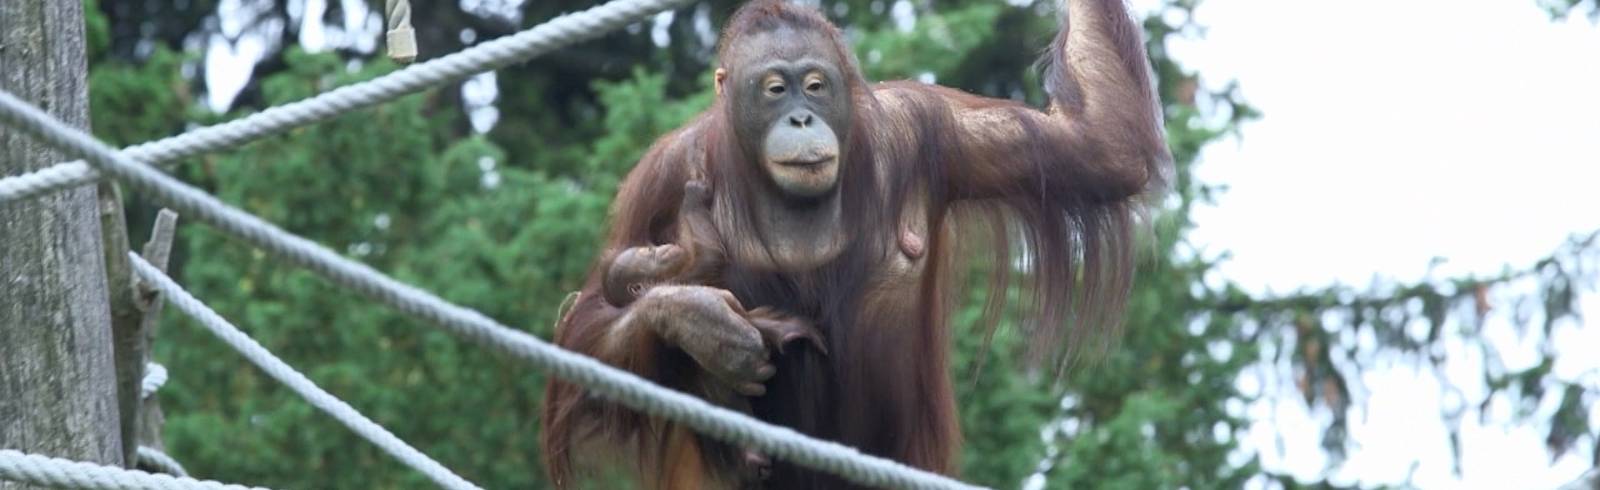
[493, 193]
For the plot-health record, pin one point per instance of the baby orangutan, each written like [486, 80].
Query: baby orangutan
[697, 258]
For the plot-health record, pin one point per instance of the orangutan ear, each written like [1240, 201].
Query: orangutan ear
[721, 77]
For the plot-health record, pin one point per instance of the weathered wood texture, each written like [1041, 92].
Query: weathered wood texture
[156, 251]
[58, 393]
[126, 316]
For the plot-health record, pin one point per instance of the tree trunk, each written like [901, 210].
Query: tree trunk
[58, 393]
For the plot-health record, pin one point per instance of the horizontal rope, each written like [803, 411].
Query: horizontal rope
[281, 371]
[63, 473]
[491, 55]
[160, 461]
[45, 180]
[155, 375]
[623, 387]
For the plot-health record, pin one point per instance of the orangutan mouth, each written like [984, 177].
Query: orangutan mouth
[806, 162]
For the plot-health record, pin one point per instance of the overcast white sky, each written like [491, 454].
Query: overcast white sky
[1395, 132]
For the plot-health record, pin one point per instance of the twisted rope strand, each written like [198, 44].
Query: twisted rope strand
[154, 458]
[62, 473]
[155, 375]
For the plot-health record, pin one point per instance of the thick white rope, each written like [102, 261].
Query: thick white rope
[154, 458]
[291, 378]
[155, 375]
[62, 473]
[625, 388]
[491, 55]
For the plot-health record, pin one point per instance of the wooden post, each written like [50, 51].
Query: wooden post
[128, 343]
[58, 393]
[157, 251]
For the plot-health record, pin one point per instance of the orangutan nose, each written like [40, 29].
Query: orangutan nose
[800, 119]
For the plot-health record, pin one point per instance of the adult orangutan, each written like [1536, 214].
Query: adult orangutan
[839, 202]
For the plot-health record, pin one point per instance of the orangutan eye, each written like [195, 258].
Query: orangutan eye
[776, 89]
[814, 83]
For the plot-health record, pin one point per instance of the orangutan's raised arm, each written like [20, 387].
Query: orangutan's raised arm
[1068, 181]
[1099, 140]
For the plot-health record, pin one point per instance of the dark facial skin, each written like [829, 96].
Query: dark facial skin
[793, 111]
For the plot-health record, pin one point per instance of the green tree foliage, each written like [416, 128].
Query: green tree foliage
[508, 223]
